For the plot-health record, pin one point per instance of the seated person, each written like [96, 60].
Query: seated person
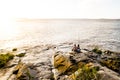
[76, 48]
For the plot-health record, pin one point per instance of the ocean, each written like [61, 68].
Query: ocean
[103, 33]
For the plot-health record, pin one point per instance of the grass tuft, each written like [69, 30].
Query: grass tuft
[88, 73]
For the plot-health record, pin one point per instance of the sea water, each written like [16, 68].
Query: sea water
[88, 33]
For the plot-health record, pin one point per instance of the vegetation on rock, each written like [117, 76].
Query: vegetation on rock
[14, 49]
[87, 73]
[21, 55]
[77, 70]
[112, 63]
[4, 58]
[96, 50]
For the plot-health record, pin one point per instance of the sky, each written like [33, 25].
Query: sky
[14, 9]
[10, 10]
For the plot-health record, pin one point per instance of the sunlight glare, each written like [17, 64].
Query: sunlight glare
[8, 29]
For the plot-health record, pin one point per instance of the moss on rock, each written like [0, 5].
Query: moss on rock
[4, 58]
[21, 55]
[112, 63]
[14, 49]
[97, 50]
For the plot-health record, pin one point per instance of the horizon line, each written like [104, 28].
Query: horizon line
[30, 19]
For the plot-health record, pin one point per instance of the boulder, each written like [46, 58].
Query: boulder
[68, 65]
[61, 64]
[22, 72]
[82, 66]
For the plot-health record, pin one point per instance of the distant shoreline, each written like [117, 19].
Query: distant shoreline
[69, 19]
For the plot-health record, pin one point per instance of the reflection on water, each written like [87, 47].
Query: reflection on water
[87, 32]
[8, 33]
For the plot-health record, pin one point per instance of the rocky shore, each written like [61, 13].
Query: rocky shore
[58, 62]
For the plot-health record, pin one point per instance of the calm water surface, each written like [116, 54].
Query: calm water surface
[89, 33]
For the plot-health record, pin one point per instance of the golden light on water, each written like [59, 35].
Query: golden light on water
[8, 29]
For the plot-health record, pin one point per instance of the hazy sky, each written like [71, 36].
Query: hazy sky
[59, 9]
[10, 10]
